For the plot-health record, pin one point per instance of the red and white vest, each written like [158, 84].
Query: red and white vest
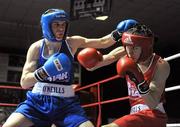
[136, 101]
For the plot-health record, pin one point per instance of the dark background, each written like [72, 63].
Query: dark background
[19, 27]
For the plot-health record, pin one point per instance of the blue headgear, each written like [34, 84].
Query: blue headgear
[46, 20]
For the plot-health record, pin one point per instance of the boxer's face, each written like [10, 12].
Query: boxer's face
[133, 52]
[58, 29]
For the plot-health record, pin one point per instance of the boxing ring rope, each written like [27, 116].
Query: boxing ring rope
[172, 57]
[172, 88]
[99, 102]
[173, 125]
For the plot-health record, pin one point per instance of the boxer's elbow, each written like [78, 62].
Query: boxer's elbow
[151, 101]
[27, 82]
[23, 83]
[152, 105]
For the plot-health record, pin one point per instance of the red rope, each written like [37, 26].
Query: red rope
[105, 102]
[95, 84]
[115, 100]
[7, 104]
[10, 87]
[99, 106]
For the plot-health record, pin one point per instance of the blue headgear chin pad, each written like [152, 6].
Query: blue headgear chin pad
[46, 20]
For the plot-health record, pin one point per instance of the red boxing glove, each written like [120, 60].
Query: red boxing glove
[89, 57]
[126, 66]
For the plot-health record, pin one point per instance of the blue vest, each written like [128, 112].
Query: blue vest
[63, 78]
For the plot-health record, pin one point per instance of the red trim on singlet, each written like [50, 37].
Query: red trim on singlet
[148, 75]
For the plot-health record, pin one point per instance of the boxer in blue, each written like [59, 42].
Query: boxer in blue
[48, 70]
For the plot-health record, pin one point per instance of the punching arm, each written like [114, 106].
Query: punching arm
[110, 58]
[98, 43]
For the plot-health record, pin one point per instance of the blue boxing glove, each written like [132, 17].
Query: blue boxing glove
[56, 64]
[122, 27]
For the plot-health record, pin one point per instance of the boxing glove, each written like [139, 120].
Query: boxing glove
[126, 66]
[122, 27]
[89, 57]
[56, 64]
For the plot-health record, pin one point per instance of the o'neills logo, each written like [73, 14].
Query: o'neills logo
[50, 89]
[128, 40]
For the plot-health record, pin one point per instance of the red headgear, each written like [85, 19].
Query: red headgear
[146, 44]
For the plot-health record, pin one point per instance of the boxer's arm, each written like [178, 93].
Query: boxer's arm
[157, 85]
[76, 42]
[110, 58]
[27, 77]
[82, 42]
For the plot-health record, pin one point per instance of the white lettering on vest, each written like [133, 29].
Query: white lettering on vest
[62, 76]
[49, 89]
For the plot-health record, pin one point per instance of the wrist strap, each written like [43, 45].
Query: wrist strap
[40, 74]
[116, 36]
[143, 87]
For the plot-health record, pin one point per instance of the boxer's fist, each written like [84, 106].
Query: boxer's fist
[126, 66]
[56, 64]
[125, 25]
[122, 27]
[89, 57]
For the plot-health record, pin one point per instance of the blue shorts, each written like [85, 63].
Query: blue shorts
[44, 110]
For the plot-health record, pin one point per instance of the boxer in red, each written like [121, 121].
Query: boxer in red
[146, 74]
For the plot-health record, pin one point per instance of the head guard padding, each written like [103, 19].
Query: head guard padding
[145, 42]
[46, 20]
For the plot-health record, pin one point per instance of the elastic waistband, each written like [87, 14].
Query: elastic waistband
[57, 90]
[140, 107]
